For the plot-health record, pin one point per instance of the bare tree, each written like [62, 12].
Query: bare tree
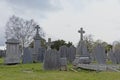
[21, 29]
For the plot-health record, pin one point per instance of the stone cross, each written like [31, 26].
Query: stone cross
[81, 31]
[37, 27]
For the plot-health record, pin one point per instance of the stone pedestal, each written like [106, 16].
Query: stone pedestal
[12, 52]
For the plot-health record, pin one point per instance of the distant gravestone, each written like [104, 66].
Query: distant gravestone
[117, 56]
[112, 57]
[27, 56]
[71, 53]
[41, 54]
[100, 54]
[63, 51]
[51, 60]
[12, 52]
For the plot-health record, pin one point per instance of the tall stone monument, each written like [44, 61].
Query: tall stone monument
[37, 44]
[12, 52]
[82, 55]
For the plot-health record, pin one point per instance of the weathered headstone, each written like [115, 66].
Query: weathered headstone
[51, 60]
[63, 51]
[112, 57]
[27, 56]
[41, 53]
[117, 56]
[12, 52]
[100, 54]
[71, 53]
[37, 44]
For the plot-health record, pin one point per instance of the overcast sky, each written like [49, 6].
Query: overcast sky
[61, 19]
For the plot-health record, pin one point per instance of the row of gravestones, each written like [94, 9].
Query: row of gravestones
[98, 55]
[69, 53]
[101, 57]
[64, 52]
[58, 59]
[54, 59]
[28, 56]
[114, 56]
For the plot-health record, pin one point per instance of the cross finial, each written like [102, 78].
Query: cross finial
[81, 31]
[37, 27]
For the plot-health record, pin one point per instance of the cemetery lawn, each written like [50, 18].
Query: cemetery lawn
[35, 72]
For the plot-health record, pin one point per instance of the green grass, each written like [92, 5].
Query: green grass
[36, 72]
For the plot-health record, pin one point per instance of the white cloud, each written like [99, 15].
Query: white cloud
[5, 12]
[28, 9]
[61, 19]
[99, 18]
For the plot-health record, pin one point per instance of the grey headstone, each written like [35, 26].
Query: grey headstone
[71, 53]
[117, 56]
[63, 51]
[12, 52]
[51, 60]
[41, 54]
[112, 57]
[27, 56]
[100, 54]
